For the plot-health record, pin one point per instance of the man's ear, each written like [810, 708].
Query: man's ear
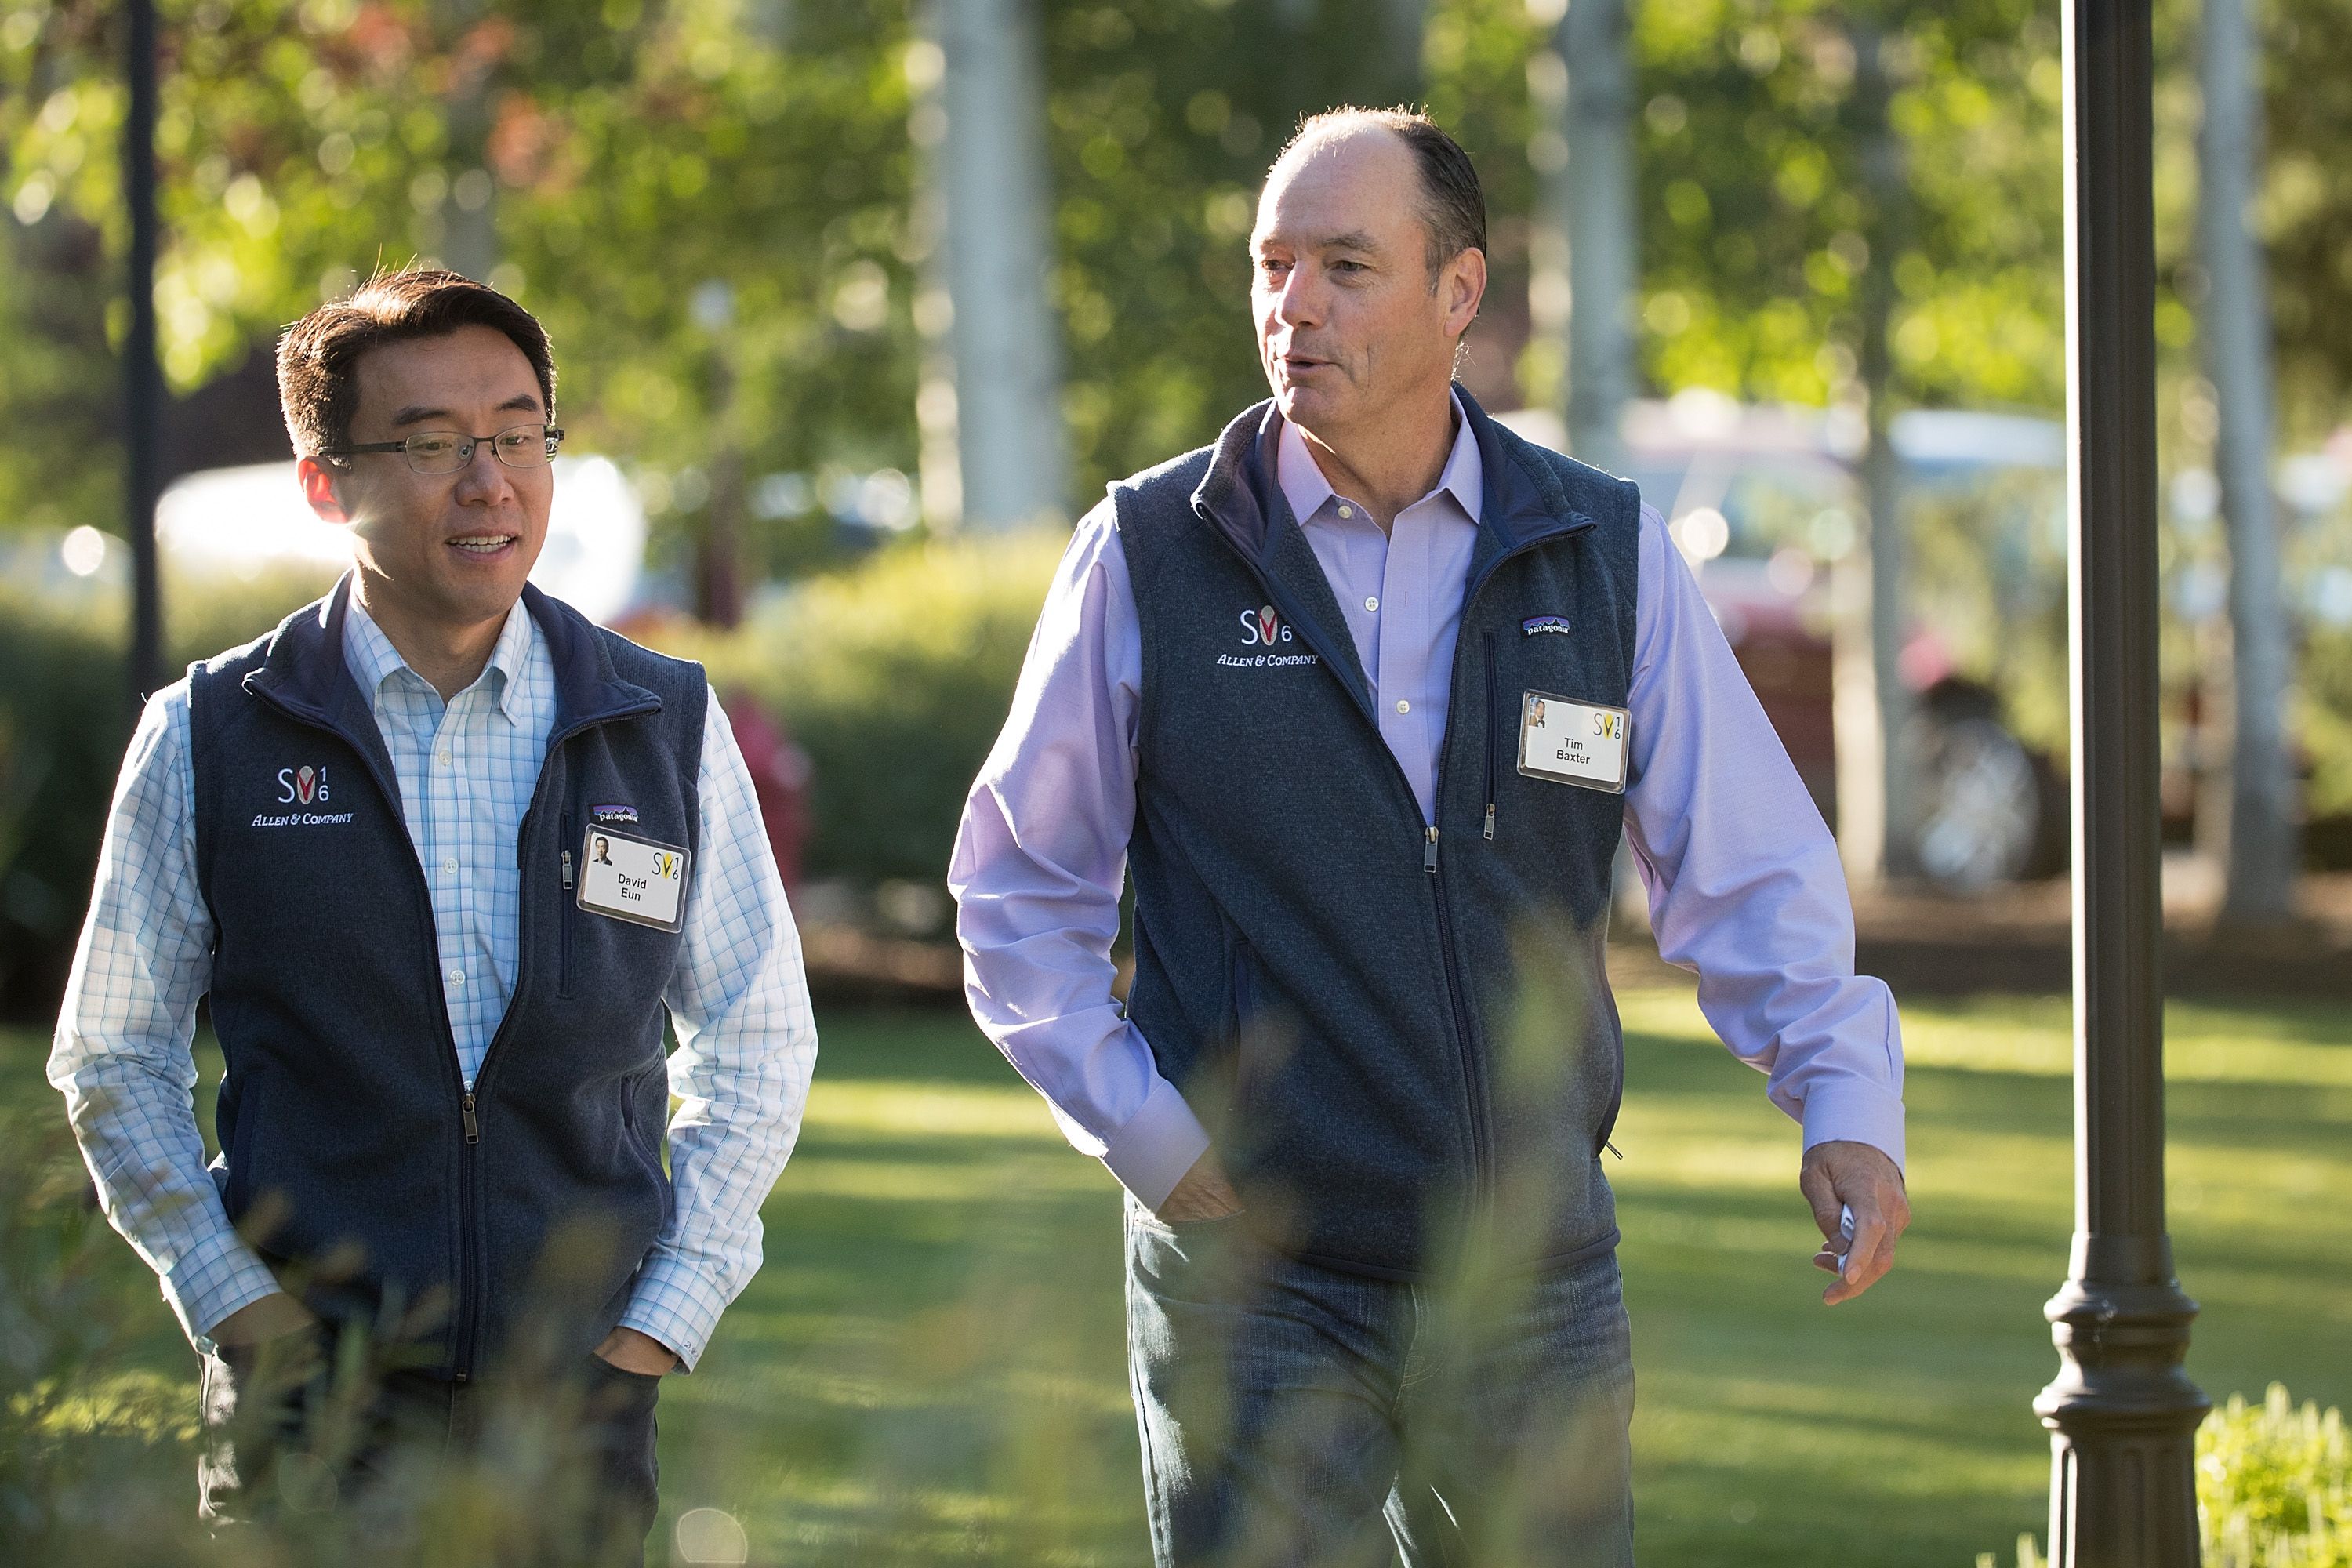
[320, 482]
[1461, 286]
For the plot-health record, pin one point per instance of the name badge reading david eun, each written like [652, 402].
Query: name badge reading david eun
[633, 878]
[1574, 743]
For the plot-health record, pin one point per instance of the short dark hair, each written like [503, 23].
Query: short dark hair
[1453, 207]
[318, 356]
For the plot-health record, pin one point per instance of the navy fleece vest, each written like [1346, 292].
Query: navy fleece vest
[351, 1156]
[1395, 1030]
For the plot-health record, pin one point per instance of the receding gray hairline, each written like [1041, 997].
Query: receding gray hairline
[1333, 126]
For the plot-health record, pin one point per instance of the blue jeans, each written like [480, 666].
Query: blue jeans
[1295, 1416]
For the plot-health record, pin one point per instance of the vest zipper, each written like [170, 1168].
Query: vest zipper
[470, 1286]
[563, 914]
[1493, 735]
[1473, 1082]
[470, 1268]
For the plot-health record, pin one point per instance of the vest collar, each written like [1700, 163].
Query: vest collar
[1523, 500]
[1522, 504]
[302, 671]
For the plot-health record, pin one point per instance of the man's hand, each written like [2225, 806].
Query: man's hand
[1866, 1181]
[641, 1353]
[273, 1317]
[1202, 1194]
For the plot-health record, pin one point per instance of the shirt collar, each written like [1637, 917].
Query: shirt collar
[1304, 486]
[373, 660]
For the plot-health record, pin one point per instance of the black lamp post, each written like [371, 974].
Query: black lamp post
[2122, 1412]
[142, 385]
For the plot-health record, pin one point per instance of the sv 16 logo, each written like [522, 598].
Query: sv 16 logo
[305, 785]
[1263, 627]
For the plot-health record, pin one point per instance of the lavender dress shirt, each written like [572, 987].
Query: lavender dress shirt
[1744, 881]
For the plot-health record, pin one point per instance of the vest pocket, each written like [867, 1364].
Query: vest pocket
[646, 1150]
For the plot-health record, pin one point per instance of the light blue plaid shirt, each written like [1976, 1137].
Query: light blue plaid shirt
[467, 768]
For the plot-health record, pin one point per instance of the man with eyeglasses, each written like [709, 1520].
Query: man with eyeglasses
[364, 838]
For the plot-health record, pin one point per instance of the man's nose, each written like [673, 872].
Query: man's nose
[1299, 302]
[483, 478]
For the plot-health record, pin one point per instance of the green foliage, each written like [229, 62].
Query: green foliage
[895, 677]
[65, 716]
[2274, 1485]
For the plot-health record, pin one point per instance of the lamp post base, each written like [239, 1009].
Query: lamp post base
[2122, 1413]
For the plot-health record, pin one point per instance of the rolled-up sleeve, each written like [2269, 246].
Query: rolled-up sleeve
[1040, 860]
[1744, 879]
[122, 1055]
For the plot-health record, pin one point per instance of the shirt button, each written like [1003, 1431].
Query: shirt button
[442, 756]
[1346, 511]
[1402, 706]
[1371, 602]
[457, 977]
[449, 866]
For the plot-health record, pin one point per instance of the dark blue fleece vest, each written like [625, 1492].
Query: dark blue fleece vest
[351, 1156]
[1396, 1031]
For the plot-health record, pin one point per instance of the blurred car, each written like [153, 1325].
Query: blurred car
[1763, 501]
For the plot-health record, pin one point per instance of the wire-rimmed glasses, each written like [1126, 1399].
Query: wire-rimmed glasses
[449, 451]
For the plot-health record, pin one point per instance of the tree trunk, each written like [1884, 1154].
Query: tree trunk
[1589, 228]
[2262, 839]
[1883, 181]
[996, 250]
[468, 212]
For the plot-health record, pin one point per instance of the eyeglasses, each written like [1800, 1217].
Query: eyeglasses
[447, 452]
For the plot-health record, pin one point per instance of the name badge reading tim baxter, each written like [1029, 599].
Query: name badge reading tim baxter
[1573, 743]
[633, 878]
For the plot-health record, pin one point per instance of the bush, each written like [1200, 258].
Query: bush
[2273, 1487]
[64, 717]
[895, 677]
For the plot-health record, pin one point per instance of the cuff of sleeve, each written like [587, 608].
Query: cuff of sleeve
[1160, 1143]
[218, 1275]
[674, 1305]
[1854, 1110]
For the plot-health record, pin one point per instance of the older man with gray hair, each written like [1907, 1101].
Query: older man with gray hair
[1365, 695]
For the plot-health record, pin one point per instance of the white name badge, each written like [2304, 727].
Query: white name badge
[1574, 743]
[633, 878]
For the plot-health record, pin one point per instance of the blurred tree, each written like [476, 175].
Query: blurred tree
[2235, 327]
[980, 127]
[625, 154]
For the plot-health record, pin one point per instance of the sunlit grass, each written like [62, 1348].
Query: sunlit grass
[930, 1368]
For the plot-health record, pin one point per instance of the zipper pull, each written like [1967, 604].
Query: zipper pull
[473, 1129]
[1429, 856]
[567, 868]
[1490, 821]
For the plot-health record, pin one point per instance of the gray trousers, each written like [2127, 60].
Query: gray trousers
[1295, 1416]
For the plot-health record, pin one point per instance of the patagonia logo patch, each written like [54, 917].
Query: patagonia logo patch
[1536, 624]
[611, 813]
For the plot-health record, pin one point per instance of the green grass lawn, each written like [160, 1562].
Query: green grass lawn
[929, 1369]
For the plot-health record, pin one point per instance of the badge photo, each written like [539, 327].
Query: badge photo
[1573, 743]
[633, 878]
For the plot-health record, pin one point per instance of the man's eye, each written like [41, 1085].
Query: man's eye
[432, 445]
